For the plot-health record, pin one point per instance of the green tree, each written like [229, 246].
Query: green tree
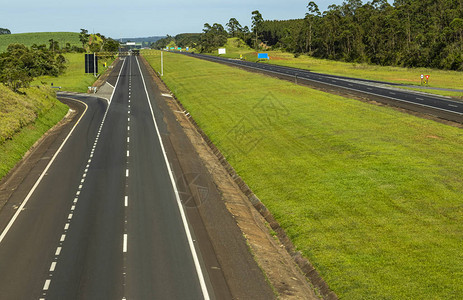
[84, 37]
[54, 45]
[19, 65]
[457, 26]
[233, 27]
[5, 31]
[311, 17]
[257, 21]
[213, 37]
[111, 46]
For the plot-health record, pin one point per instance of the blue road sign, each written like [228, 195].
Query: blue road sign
[262, 56]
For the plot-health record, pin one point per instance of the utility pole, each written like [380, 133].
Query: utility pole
[94, 64]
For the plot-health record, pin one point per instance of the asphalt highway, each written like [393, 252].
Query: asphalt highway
[440, 106]
[104, 219]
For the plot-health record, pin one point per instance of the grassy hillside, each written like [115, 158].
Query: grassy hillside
[408, 76]
[39, 38]
[24, 118]
[373, 197]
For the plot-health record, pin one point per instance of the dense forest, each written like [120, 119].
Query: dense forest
[409, 33]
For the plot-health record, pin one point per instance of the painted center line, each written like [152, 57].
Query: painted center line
[53, 266]
[453, 105]
[47, 284]
[124, 246]
[126, 201]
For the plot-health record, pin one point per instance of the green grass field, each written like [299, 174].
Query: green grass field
[74, 79]
[408, 76]
[371, 196]
[39, 38]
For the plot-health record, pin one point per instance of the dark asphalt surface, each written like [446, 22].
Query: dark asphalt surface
[104, 222]
[439, 106]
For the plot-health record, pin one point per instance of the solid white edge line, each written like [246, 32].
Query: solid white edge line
[179, 204]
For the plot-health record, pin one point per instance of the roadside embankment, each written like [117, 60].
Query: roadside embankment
[24, 118]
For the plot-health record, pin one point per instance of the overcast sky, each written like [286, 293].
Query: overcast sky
[142, 18]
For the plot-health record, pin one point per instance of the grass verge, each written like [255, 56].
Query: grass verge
[371, 196]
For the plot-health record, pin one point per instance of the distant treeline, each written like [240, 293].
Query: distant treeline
[408, 33]
[5, 31]
[181, 40]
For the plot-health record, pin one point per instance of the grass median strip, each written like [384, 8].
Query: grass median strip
[372, 196]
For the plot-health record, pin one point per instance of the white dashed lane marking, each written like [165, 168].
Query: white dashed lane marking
[53, 266]
[47, 284]
[124, 246]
